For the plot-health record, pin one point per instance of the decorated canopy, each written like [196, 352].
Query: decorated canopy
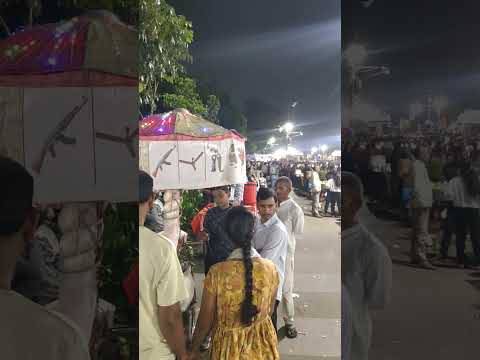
[184, 151]
[83, 51]
[69, 108]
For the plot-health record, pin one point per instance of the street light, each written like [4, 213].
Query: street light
[288, 127]
[314, 150]
[355, 55]
[272, 141]
[324, 148]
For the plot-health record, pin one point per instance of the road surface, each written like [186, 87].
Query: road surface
[433, 314]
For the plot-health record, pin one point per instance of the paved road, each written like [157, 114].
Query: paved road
[317, 282]
[433, 314]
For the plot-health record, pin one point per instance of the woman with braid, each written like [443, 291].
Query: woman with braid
[238, 299]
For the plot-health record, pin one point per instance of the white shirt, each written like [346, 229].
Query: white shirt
[367, 275]
[458, 193]
[346, 324]
[333, 188]
[316, 184]
[271, 241]
[31, 331]
[291, 214]
[422, 196]
[161, 283]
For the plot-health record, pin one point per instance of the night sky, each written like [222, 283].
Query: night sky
[430, 46]
[274, 51]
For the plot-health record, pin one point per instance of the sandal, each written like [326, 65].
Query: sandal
[291, 332]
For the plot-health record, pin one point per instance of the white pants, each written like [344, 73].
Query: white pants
[287, 294]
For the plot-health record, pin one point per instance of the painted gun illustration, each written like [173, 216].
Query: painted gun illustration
[57, 135]
[127, 140]
[193, 162]
[215, 157]
[163, 161]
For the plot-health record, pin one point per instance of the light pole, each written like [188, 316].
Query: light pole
[354, 56]
[287, 130]
[323, 148]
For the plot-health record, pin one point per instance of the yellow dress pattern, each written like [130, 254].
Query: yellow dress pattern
[231, 340]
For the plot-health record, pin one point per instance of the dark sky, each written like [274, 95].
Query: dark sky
[431, 46]
[275, 51]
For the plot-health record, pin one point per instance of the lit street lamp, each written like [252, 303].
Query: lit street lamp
[288, 127]
[287, 130]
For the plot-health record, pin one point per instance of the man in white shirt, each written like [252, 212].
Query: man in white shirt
[271, 238]
[291, 214]
[161, 287]
[421, 203]
[366, 269]
[28, 331]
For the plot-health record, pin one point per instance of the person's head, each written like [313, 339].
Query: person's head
[283, 188]
[266, 203]
[18, 218]
[240, 226]
[221, 196]
[352, 197]
[146, 195]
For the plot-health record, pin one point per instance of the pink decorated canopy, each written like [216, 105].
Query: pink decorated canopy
[94, 49]
[182, 125]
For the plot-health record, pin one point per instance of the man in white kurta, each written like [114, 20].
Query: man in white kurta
[291, 214]
[366, 268]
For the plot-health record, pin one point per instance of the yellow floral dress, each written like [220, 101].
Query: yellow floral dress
[231, 340]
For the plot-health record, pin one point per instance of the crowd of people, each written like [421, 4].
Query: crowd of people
[249, 268]
[319, 180]
[433, 182]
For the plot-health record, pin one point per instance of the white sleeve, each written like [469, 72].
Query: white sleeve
[299, 222]
[378, 279]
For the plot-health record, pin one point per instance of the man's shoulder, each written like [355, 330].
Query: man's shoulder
[57, 326]
[153, 243]
[374, 244]
[279, 227]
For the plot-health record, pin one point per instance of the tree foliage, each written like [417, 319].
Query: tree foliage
[184, 94]
[164, 40]
[213, 108]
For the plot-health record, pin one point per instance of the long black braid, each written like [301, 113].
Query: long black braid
[240, 226]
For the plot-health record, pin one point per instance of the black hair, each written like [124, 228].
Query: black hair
[240, 225]
[16, 196]
[337, 180]
[285, 180]
[145, 187]
[225, 189]
[470, 179]
[265, 194]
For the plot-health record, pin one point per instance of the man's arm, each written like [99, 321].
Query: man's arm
[205, 320]
[171, 325]
[170, 291]
[298, 221]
